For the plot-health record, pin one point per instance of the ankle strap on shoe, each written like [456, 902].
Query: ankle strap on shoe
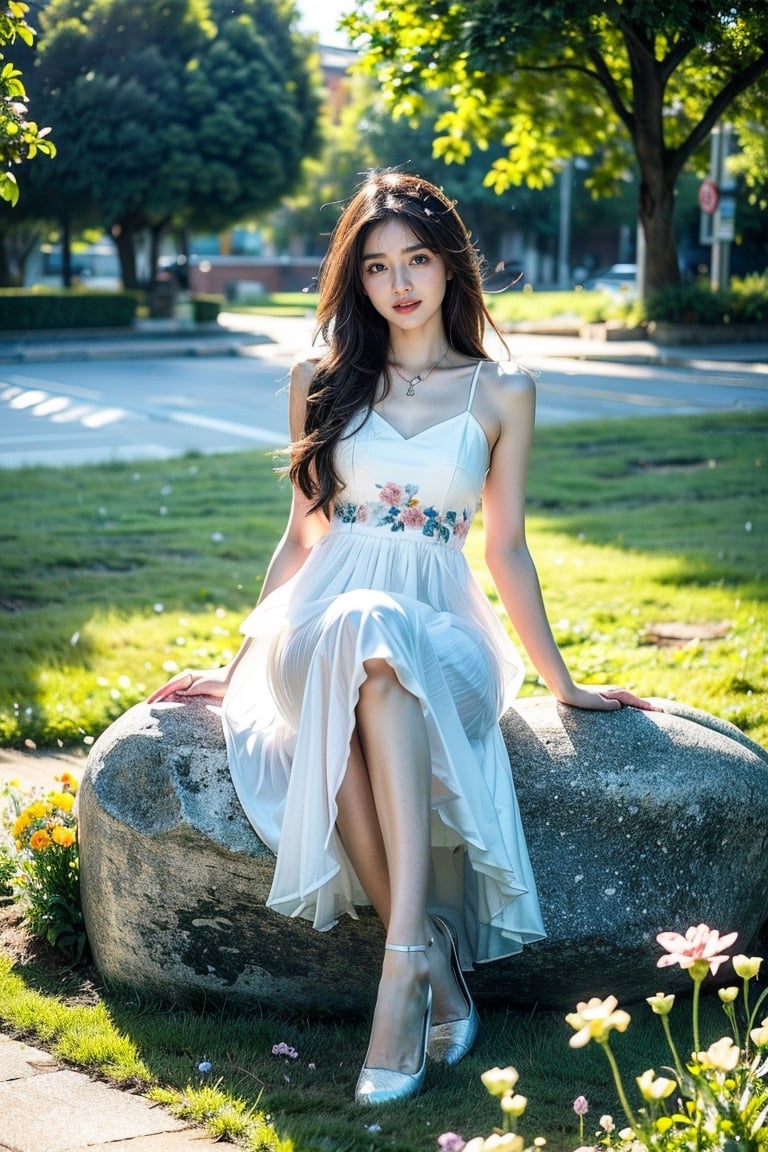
[409, 947]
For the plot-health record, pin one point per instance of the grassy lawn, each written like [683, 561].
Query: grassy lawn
[511, 307]
[113, 576]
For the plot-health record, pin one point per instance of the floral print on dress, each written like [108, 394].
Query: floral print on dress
[398, 507]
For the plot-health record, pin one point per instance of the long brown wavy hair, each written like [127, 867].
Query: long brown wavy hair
[346, 378]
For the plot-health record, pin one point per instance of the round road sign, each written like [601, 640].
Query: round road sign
[709, 197]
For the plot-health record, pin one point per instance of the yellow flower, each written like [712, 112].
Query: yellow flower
[759, 1036]
[499, 1081]
[36, 810]
[595, 1019]
[62, 800]
[503, 1142]
[661, 1004]
[727, 995]
[654, 1087]
[513, 1105]
[39, 840]
[723, 1055]
[62, 836]
[747, 966]
[23, 822]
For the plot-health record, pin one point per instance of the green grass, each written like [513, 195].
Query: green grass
[279, 1105]
[277, 304]
[506, 307]
[114, 576]
[529, 306]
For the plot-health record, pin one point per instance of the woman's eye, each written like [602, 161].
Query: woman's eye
[377, 267]
[421, 258]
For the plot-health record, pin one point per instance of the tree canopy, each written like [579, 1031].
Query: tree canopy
[172, 112]
[569, 78]
[20, 137]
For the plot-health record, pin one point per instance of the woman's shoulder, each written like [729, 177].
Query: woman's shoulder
[503, 385]
[504, 396]
[505, 376]
[302, 374]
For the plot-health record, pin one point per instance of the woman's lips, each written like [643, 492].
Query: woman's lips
[407, 306]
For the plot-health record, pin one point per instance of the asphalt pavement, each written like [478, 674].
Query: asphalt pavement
[46, 1106]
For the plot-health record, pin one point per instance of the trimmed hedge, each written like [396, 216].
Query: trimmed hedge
[25, 309]
[206, 308]
[743, 302]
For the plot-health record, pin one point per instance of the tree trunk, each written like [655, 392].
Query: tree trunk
[66, 252]
[657, 212]
[658, 173]
[156, 232]
[7, 278]
[124, 236]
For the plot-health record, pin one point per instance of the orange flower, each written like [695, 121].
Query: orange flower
[62, 836]
[39, 840]
[68, 782]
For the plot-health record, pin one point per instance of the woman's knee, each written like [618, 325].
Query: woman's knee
[380, 678]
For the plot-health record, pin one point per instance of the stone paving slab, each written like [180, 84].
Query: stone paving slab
[47, 1108]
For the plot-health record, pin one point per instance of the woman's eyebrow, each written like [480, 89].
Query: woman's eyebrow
[378, 255]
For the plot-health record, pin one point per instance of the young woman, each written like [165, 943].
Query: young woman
[361, 713]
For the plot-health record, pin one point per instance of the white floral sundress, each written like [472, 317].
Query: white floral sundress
[389, 580]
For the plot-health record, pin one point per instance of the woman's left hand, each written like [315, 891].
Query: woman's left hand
[608, 699]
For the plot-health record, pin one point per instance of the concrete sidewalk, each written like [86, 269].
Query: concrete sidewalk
[239, 334]
[46, 1107]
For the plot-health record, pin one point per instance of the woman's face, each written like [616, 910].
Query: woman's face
[404, 280]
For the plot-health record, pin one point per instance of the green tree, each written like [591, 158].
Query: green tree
[570, 78]
[366, 136]
[172, 112]
[20, 137]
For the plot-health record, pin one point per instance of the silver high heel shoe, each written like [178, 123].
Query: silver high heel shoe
[383, 1085]
[451, 1041]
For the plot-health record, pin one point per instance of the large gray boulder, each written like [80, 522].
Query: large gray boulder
[636, 823]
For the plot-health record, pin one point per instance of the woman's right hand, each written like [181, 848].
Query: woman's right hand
[193, 682]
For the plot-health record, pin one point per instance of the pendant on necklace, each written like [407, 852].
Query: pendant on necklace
[412, 384]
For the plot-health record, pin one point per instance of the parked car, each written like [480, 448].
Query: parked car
[618, 280]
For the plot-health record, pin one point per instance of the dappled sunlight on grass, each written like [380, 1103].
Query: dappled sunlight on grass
[114, 576]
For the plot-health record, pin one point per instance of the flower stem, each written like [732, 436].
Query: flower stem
[695, 1014]
[619, 1086]
[672, 1048]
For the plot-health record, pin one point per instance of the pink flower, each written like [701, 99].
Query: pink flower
[450, 1142]
[701, 944]
[581, 1106]
[361, 514]
[461, 528]
[412, 517]
[283, 1049]
[391, 493]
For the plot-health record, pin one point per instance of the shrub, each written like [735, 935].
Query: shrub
[206, 308]
[745, 302]
[25, 309]
[749, 299]
[45, 835]
[688, 304]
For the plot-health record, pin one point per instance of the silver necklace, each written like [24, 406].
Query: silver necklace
[420, 377]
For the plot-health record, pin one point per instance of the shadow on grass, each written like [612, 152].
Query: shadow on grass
[310, 1098]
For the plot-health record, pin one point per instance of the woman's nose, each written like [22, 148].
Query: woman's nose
[402, 280]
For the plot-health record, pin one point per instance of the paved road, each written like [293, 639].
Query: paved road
[73, 411]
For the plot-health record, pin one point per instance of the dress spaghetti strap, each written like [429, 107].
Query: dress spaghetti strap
[473, 385]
